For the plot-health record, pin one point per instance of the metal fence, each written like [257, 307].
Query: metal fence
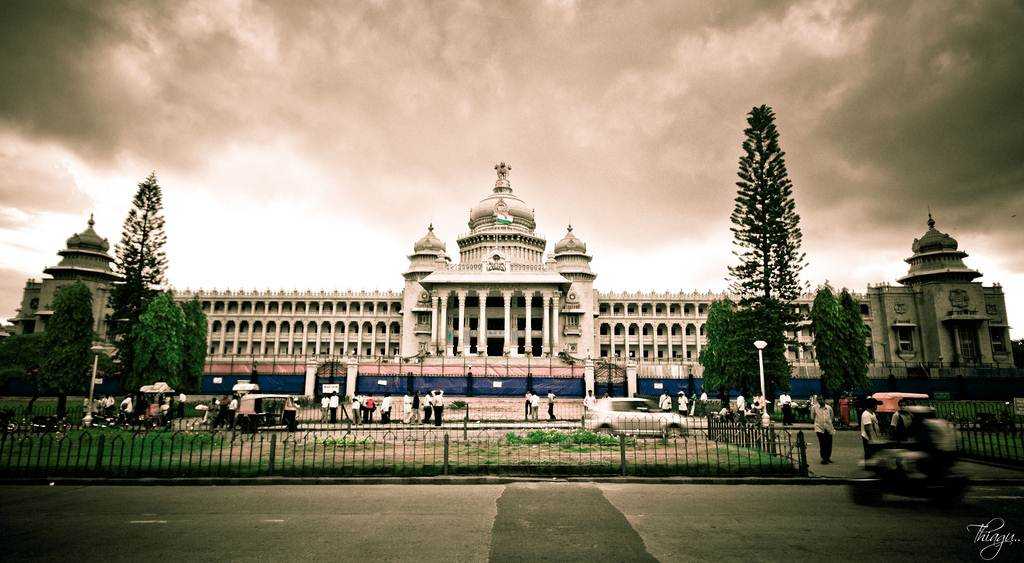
[397, 451]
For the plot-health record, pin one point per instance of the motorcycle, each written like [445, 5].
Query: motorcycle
[909, 473]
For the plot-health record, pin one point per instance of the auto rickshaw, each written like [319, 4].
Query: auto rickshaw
[155, 396]
[260, 410]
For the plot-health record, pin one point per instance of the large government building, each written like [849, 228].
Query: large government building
[506, 302]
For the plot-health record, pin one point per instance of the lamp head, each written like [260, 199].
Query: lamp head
[760, 344]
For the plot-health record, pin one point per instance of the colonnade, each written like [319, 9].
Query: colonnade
[443, 342]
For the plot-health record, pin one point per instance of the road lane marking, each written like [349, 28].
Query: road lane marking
[147, 521]
[273, 520]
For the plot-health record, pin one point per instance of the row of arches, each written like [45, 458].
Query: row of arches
[649, 329]
[654, 309]
[300, 327]
[302, 307]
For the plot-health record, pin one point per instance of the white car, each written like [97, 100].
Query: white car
[633, 416]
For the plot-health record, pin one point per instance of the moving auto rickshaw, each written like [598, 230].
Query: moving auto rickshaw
[889, 403]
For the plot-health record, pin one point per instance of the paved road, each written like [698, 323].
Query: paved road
[518, 522]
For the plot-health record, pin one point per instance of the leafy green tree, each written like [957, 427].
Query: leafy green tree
[67, 342]
[20, 356]
[717, 356]
[141, 261]
[829, 341]
[158, 340]
[730, 358]
[767, 236]
[855, 334]
[193, 350]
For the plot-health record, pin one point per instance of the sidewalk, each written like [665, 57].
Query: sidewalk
[848, 452]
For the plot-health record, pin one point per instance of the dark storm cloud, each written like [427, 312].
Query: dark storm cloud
[626, 117]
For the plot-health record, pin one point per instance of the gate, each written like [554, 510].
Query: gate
[609, 379]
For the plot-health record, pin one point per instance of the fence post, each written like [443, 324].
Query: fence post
[801, 446]
[273, 454]
[99, 452]
[622, 454]
[465, 424]
[445, 453]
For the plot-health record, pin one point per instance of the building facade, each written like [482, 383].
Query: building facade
[507, 297]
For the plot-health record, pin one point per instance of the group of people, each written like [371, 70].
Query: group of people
[681, 403]
[363, 409]
[141, 408]
[532, 406]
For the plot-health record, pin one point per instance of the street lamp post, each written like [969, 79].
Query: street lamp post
[760, 345]
[96, 349]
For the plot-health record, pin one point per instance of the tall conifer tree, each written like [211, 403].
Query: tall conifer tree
[67, 343]
[766, 233]
[855, 338]
[141, 261]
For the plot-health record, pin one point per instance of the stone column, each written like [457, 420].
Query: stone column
[248, 340]
[316, 345]
[507, 295]
[434, 304]
[444, 325]
[309, 387]
[463, 344]
[546, 326]
[554, 324]
[630, 378]
[611, 340]
[668, 338]
[528, 348]
[223, 336]
[334, 337]
[697, 331]
[359, 339]
[351, 372]
[481, 325]
[625, 351]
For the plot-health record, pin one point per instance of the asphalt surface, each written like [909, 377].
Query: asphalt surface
[558, 521]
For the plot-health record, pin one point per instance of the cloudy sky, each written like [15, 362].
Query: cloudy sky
[309, 144]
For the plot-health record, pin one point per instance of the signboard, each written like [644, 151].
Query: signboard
[218, 380]
[329, 388]
[98, 380]
[659, 385]
[382, 382]
[1018, 406]
[495, 384]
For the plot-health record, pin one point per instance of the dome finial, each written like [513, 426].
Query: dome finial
[931, 221]
[502, 184]
[430, 227]
[91, 221]
[570, 227]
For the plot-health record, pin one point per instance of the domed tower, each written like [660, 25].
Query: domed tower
[937, 259]
[429, 254]
[502, 223]
[572, 261]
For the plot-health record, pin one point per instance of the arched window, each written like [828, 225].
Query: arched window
[314, 308]
[688, 310]
[261, 308]
[286, 308]
[396, 327]
[604, 329]
[232, 307]
[229, 327]
[355, 308]
[273, 308]
[216, 326]
[619, 330]
[353, 327]
[691, 330]
[631, 309]
[300, 308]
[247, 307]
[632, 330]
[339, 328]
[341, 308]
[328, 308]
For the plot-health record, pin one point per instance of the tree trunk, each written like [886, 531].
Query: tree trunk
[31, 403]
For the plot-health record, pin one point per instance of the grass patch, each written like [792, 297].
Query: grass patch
[575, 438]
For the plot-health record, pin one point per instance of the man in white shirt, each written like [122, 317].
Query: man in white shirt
[821, 412]
[127, 408]
[741, 404]
[870, 432]
[385, 410]
[232, 410]
[535, 405]
[588, 403]
[332, 407]
[437, 402]
[408, 414]
[787, 408]
[325, 408]
[356, 408]
[684, 404]
[551, 405]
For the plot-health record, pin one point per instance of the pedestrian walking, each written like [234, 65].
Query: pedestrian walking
[551, 406]
[232, 410]
[369, 406]
[684, 404]
[665, 402]
[529, 405]
[408, 414]
[332, 407]
[787, 408]
[438, 404]
[588, 403]
[535, 406]
[357, 409]
[741, 403]
[414, 415]
[821, 412]
[325, 408]
[126, 410]
[428, 406]
[181, 405]
[870, 432]
[288, 415]
[385, 410]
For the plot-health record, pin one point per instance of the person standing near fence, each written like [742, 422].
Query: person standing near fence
[181, 405]
[684, 404]
[665, 402]
[406, 407]
[385, 410]
[414, 414]
[357, 409]
[741, 403]
[588, 403]
[232, 410]
[428, 406]
[126, 409]
[438, 404]
[332, 407]
[535, 406]
[787, 408]
[551, 405]
[325, 408]
[870, 432]
[289, 415]
[529, 405]
[821, 412]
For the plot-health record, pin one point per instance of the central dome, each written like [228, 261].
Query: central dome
[501, 207]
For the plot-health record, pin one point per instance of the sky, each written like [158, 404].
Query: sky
[308, 144]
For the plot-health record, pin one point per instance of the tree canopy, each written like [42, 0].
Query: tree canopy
[141, 261]
[21, 356]
[193, 350]
[839, 341]
[158, 343]
[68, 342]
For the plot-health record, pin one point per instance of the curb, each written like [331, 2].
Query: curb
[450, 480]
